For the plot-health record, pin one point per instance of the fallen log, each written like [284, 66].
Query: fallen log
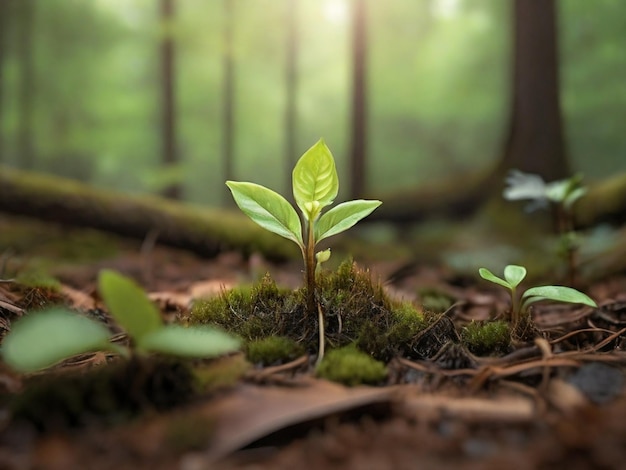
[205, 231]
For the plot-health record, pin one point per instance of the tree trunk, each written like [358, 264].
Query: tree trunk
[358, 153]
[25, 148]
[168, 114]
[535, 141]
[4, 36]
[206, 232]
[228, 105]
[291, 82]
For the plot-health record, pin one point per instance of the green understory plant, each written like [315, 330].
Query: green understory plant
[42, 339]
[514, 275]
[315, 186]
[561, 195]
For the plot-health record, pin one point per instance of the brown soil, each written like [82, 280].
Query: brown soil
[555, 403]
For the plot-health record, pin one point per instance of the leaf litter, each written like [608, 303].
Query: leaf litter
[529, 408]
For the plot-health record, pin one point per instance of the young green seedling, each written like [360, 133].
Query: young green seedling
[514, 275]
[42, 339]
[315, 186]
[562, 195]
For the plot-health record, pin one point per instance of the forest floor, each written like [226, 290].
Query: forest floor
[559, 402]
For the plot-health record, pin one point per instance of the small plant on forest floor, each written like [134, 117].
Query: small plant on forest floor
[562, 195]
[315, 186]
[42, 339]
[356, 310]
[514, 275]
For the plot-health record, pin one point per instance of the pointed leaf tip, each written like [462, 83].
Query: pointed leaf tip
[128, 304]
[315, 178]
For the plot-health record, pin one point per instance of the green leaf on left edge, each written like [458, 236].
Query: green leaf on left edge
[315, 177]
[268, 209]
[128, 304]
[558, 293]
[342, 217]
[41, 339]
[194, 342]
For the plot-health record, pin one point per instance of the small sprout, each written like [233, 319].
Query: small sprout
[562, 194]
[351, 367]
[59, 333]
[514, 275]
[315, 186]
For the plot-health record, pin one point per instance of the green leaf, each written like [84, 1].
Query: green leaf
[197, 341]
[128, 304]
[489, 276]
[42, 339]
[514, 274]
[574, 196]
[342, 217]
[558, 293]
[268, 209]
[315, 178]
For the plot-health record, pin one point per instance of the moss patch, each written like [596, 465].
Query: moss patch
[356, 310]
[273, 350]
[487, 338]
[351, 367]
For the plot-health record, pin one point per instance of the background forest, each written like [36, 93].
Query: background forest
[142, 95]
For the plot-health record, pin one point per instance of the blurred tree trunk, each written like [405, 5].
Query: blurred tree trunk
[26, 60]
[169, 156]
[535, 141]
[291, 82]
[4, 36]
[5, 12]
[358, 154]
[228, 105]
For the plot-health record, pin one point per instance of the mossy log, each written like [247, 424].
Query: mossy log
[605, 202]
[462, 197]
[456, 198]
[205, 231]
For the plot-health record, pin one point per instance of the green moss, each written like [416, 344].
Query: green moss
[355, 309]
[273, 350]
[220, 373]
[351, 367]
[251, 312]
[404, 326]
[38, 280]
[487, 338]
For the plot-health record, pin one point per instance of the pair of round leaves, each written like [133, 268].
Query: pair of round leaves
[44, 338]
[514, 274]
[315, 186]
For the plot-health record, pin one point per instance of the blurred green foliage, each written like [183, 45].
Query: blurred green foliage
[438, 72]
